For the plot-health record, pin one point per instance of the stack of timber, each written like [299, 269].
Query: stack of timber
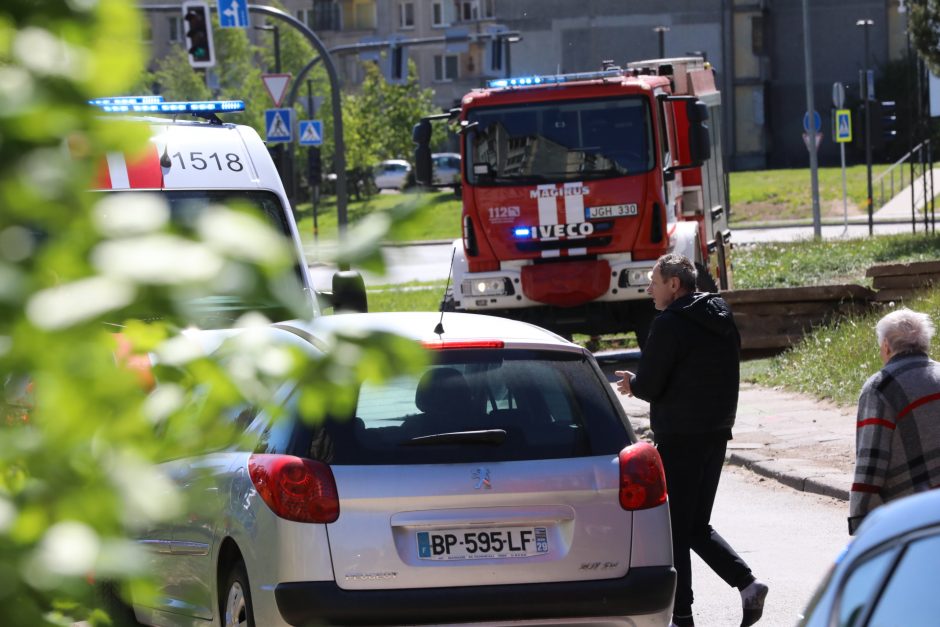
[901, 281]
[775, 319]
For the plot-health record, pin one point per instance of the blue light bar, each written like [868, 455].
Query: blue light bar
[202, 106]
[522, 231]
[125, 100]
[528, 81]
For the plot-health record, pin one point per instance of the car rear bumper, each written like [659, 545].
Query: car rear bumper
[642, 591]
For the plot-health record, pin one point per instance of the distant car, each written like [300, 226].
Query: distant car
[446, 168]
[502, 485]
[392, 174]
[888, 574]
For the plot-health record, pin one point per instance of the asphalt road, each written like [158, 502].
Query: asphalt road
[788, 538]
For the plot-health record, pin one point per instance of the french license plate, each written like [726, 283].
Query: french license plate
[478, 544]
[612, 211]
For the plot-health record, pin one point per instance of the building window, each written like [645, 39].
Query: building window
[445, 67]
[323, 16]
[469, 10]
[488, 10]
[406, 15]
[758, 43]
[442, 13]
[358, 14]
[174, 28]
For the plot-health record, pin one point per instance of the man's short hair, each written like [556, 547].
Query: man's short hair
[679, 266]
[906, 331]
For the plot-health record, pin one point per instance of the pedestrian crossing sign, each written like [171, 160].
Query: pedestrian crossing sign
[843, 126]
[277, 123]
[311, 132]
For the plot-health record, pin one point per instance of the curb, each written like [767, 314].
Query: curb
[786, 472]
[823, 483]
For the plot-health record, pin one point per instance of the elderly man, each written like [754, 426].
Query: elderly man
[689, 373]
[897, 437]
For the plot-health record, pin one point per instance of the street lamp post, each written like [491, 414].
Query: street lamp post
[865, 25]
[661, 32]
[279, 149]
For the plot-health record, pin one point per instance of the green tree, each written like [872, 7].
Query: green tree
[379, 119]
[925, 30]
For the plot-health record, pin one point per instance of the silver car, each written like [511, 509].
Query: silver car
[446, 168]
[391, 174]
[888, 574]
[502, 485]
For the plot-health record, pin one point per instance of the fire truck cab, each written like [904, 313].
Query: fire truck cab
[573, 186]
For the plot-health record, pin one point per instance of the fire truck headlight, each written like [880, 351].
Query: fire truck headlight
[499, 286]
[636, 277]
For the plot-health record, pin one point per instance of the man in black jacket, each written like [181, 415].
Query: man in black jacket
[689, 372]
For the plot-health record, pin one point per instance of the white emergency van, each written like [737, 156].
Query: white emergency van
[200, 162]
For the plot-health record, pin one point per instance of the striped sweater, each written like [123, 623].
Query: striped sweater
[897, 438]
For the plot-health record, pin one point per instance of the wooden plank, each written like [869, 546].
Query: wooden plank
[756, 341]
[893, 269]
[787, 325]
[895, 294]
[819, 307]
[909, 280]
[798, 294]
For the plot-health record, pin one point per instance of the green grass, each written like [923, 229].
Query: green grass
[760, 196]
[414, 296]
[441, 220]
[812, 262]
[835, 361]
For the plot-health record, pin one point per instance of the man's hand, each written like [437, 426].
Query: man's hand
[623, 386]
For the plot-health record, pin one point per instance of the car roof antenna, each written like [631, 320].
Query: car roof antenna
[439, 329]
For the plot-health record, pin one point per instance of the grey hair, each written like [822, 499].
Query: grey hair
[679, 266]
[906, 331]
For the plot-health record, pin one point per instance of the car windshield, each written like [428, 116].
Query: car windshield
[223, 306]
[559, 141]
[479, 405]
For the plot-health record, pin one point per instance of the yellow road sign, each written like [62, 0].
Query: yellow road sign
[843, 126]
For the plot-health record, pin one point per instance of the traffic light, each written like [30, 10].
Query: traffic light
[198, 34]
[314, 166]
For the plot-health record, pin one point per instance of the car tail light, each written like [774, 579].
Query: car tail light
[642, 480]
[457, 344]
[295, 489]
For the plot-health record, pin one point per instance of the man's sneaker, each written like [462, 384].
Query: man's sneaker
[682, 620]
[752, 600]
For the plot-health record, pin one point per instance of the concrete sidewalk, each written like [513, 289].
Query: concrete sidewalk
[797, 440]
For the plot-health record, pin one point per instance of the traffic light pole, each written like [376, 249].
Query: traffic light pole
[339, 153]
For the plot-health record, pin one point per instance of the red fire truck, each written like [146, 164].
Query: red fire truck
[573, 186]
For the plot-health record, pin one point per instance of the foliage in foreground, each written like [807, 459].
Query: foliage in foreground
[79, 434]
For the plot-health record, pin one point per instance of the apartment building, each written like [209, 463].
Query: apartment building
[755, 46]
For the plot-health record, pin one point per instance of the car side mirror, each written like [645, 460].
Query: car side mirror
[349, 292]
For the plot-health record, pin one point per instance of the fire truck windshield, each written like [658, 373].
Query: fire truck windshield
[567, 140]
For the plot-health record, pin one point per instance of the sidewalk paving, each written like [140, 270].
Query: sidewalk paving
[797, 440]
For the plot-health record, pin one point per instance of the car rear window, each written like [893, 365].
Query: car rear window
[479, 405]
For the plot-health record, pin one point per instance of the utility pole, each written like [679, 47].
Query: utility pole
[279, 149]
[313, 158]
[661, 32]
[811, 129]
[865, 25]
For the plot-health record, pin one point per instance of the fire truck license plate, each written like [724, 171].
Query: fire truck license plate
[612, 211]
[478, 544]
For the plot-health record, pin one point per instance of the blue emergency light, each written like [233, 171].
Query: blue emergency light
[125, 100]
[196, 107]
[527, 81]
[522, 232]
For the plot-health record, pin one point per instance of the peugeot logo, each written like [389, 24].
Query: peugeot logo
[482, 478]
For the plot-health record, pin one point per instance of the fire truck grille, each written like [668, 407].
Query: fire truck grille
[539, 246]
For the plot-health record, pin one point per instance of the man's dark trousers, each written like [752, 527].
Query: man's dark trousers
[693, 469]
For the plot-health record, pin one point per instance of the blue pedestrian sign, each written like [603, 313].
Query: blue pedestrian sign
[817, 122]
[233, 13]
[311, 132]
[278, 125]
[843, 126]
